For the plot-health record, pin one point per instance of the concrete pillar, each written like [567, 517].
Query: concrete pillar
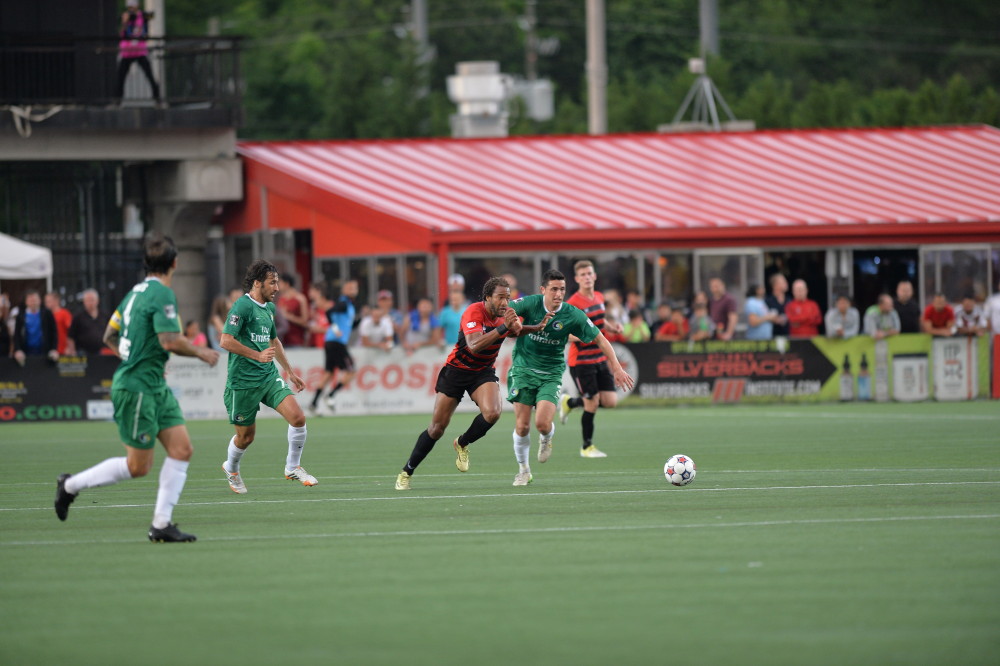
[188, 225]
[184, 196]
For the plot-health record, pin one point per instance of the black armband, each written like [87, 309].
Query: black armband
[501, 330]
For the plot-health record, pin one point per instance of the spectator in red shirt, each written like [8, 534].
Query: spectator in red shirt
[674, 329]
[294, 307]
[62, 316]
[722, 309]
[938, 318]
[803, 313]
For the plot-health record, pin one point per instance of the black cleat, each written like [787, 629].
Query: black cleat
[63, 498]
[169, 534]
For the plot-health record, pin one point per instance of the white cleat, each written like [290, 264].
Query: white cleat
[300, 475]
[544, 448]
[592, 452]
[522, 478]
[235, 482]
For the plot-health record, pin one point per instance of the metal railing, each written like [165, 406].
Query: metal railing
[203, 71]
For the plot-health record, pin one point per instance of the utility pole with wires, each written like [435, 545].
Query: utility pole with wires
[597, 69]
[529, 22]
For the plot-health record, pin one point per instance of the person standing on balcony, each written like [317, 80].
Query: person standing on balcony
[132, 47]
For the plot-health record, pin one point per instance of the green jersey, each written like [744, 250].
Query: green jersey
[543, 352]
[149, 309]
[252, 324]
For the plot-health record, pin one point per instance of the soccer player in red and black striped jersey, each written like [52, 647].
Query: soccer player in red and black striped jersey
[469, 369]
[587, 363]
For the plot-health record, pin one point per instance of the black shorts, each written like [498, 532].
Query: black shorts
[337, 356]
[592, 378]
[455, 382]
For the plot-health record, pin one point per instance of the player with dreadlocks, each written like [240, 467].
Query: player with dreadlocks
[469, 369]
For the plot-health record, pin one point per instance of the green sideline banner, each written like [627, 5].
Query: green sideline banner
[905, 368]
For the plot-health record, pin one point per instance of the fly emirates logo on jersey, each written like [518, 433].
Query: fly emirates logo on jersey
[263, 338]
[542, 337]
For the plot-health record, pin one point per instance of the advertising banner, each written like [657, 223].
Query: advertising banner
[808, 370]
[955, 369]
[910, 377]
[905, 368]
[386, 382]
[727, 372]
[996, 367]
[73, 389]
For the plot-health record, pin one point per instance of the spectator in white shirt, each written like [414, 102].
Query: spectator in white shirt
[842, 321]
[376, 330]
[969, 319]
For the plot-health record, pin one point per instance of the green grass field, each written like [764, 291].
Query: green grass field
[833, 534]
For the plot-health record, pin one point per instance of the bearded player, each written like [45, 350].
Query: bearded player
[253, 345]
[469, 369]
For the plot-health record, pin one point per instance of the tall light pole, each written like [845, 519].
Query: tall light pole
[708, 24]
[597, 69]
[530, 41]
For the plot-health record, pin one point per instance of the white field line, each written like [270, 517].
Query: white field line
[191, 483]
[515, 494]
[533, 530]
[949, 419]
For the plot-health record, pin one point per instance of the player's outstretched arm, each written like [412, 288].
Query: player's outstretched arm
[234, 346]
[622, 379]
[178, 344]
[512, 322]
[279, 354]
[534, 328]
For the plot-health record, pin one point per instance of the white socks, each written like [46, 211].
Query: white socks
[296, 440]
[550, 434]
[106, 473]
[235, 455]
[111, 471]
[173, 474]
[522, 446]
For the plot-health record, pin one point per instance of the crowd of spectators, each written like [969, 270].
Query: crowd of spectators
[765, 316]
[302, 319]
[41, 326]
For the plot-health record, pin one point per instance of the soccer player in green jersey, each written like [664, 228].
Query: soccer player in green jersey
[535, 377]
[250, 338]
[142, 332]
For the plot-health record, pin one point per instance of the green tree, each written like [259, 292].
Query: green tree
[987, 109]
[892, 107]
[827, 105]
[768, 102]
[315, 68]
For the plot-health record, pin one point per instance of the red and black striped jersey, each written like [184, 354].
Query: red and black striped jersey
[587, 353]
[475, 319]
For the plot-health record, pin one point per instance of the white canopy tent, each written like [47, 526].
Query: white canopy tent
[20, 260]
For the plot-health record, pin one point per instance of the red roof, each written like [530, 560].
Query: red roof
[729, 188]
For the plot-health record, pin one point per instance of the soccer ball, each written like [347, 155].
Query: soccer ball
[679, 470]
